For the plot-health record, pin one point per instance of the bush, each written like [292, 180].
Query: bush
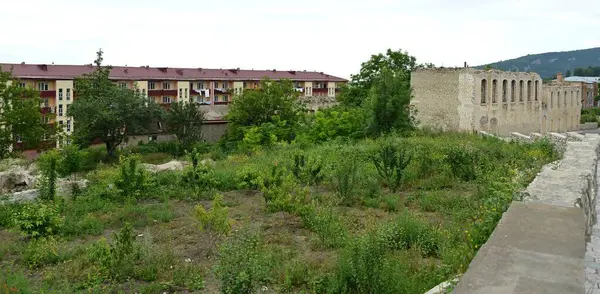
[38, 220]
[463, 161]
[243, 263]
[409, 232]
[390, 163]
[345, 178]
[307, 171]
[132, 181]
[215, 219]
[49, 164]
[324, 222]
[44, 251]
[116, 259]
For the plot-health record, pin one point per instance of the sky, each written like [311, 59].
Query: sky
[323, 35]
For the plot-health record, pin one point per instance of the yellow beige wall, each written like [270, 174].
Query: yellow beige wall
[142, 86]
[238, 87]
[331, 89]
[183, 91]
[64, 84]
[562, 113]
[308, 88]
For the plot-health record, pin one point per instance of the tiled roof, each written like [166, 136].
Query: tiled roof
[587, 80]
[67, 72]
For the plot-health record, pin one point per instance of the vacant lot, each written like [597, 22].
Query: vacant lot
[393, 215]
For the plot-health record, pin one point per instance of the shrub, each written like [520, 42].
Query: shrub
[116, 259]
[44, 251]
[133, 179]
[390, 163]
[345, 178]
[215, 219]
[243, 263]
[199, 177]
[188, 276]
[463, 161]
[306, 170]
[409, 232]
[38, 219]
[324, 222]
[49, 163]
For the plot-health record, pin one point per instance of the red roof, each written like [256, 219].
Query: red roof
[68, 72]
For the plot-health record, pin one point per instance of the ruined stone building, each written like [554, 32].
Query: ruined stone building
[498, 102]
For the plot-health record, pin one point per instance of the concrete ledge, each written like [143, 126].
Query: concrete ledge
[588, 126]
[536, 248]
[518, 137]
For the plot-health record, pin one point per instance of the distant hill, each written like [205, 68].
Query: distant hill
[548, 64]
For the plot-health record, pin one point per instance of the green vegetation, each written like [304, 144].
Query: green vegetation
[281, 204]
[590, 114]
[590, 71]
[550, 63]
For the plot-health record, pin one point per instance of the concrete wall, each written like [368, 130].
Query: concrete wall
[561, 112]
[588, 126]
[539, 245]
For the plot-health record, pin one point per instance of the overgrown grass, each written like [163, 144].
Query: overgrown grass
[330, 222]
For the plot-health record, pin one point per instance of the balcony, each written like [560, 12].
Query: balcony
[162, 92]
[222, 90]
[48, 94]
[222, 102]
[319, 90]
[46, 109]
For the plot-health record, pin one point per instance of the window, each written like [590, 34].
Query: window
[68, 94]
[68, 140]
[504, 90]
[558, 99]
[200, 85]
[521, 86]
[152, 138]
[537, 85]
[216, 98]
[225, 85]
[225, 98]
[180, 93]
[42, 86]
[244, 83]
[144, 92]
[60, 109]
[216, 84]
[151, 86]
[551, 99]
[483, 90]
[166, 86]
[60, 94]
[185, 91]
[528, 90]
[565, 99]
[46, 102]
[60, 122]
[22, 85]
[122, 85]
[166, 99]
[68, 125]
[494, 91]
[513, 86]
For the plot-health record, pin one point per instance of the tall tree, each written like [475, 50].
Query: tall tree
[104, 110]
[20, 119]
[389, 101]
[273, 102]
[185, 120]
[360, 84]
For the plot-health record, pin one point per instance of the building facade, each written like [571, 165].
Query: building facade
[213, 89]
[589, 89]
[498, 102]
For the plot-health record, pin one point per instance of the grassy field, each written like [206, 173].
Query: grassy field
[301, 219]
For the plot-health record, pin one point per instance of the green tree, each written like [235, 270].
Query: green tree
[185, 120]
[568, 73]
[273, 103]
[357, 90]
[389, 101]
[104, 110]
[20, 119]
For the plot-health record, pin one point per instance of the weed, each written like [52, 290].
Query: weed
[326, 224]
[306, 170]
[38, 219]
[390, 163]
[44, 251]
[345, 178]
[132, 181]
[215, 219]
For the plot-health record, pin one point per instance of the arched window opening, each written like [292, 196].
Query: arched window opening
[551, 99]
[558, 99]
[521, 84]
[483, 90]
[537, 85]
[528, 90]
[494, 91]
[565, 99]
[504, 90]
[513, 91]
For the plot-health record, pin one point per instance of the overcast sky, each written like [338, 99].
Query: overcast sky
[323, 35]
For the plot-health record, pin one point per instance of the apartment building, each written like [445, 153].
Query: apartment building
[589, 89]
[213, 89]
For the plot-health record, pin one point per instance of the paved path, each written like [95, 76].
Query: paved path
[524, 255]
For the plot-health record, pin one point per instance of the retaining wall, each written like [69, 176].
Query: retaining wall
[539, 245]
[588, 126]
